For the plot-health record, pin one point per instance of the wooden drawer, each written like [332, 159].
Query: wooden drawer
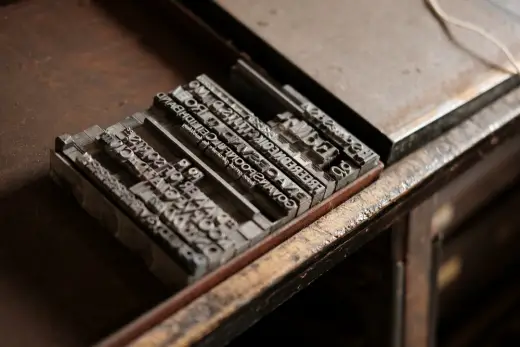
[479, 252]
[470, 191]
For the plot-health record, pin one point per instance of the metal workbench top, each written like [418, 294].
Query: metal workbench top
[390, 61]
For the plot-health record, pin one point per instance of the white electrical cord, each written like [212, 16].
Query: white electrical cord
[469, 26]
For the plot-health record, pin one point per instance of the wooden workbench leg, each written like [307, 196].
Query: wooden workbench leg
[399, 232]
[437, 244]
[422, 254]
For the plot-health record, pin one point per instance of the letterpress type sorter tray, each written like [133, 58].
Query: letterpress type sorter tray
[209, 178]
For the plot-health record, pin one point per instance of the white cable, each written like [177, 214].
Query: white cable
[469, 26]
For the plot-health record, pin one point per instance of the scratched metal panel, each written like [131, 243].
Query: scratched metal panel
[390, 61]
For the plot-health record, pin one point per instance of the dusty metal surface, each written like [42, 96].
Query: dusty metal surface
[234, 304]
[391, 62]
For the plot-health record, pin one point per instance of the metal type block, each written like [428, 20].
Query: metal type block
[199, 179]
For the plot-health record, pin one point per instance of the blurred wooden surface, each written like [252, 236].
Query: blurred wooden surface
[64, 66]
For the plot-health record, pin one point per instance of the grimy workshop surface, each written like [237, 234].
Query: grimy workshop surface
[64, 66]
[390, 61]
[63, 281]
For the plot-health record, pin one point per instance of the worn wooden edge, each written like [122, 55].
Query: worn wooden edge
[185, 296]
[294, 263]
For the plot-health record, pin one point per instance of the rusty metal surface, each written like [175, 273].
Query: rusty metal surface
[390, 61]
[65, 65]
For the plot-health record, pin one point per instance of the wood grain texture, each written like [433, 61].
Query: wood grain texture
[64, 66]
[238, 302]
[418, 266]
[58, 83]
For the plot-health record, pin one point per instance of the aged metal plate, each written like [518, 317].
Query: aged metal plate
[199, 178]
[390, 62]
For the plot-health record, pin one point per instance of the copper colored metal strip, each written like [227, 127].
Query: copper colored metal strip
[190, 293]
